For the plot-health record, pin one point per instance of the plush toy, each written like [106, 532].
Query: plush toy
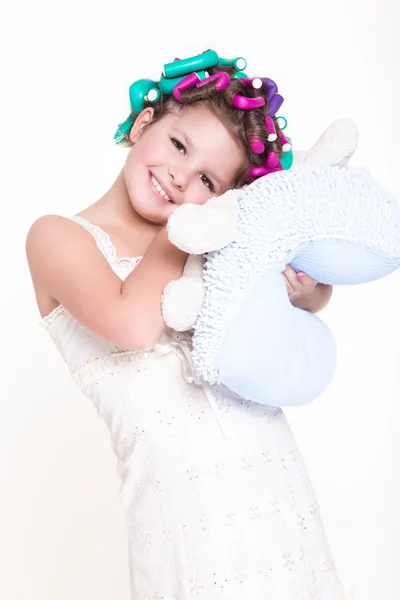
[331, 221]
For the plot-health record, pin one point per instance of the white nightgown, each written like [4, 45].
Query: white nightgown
[216, 496]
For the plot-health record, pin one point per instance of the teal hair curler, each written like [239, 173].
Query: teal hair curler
[201, 62]
[286, 159]
[196, 69]
[282, 127]
[238, 63]
[124, 129]
[239, 75]
[167, 85]
[141, 90]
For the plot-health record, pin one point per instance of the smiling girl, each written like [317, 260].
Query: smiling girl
[207, 518]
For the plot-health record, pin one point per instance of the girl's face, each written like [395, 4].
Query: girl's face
[185, 157]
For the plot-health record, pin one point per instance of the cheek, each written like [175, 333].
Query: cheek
[132, 161]
[147, 152]
[157, 150]
[200, 194]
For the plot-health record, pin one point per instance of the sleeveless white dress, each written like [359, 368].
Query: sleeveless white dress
[217, 499]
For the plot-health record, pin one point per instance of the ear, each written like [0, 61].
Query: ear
[143, 119]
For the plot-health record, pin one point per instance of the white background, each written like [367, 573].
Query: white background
[66, 70]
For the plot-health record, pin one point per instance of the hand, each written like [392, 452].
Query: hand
[305, 292]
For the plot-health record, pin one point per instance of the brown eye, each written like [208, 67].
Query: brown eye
[207, 182]
[178, 145]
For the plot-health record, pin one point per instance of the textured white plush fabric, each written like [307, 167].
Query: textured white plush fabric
[335, 223]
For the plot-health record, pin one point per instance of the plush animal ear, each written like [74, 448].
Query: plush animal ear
[298, 157]
[335, 147]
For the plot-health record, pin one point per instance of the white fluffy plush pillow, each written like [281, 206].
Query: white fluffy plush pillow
[331, 221]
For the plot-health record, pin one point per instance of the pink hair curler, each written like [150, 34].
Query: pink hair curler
[245, 103]
[270, 127]
[223, 80]
[257, 146]
[276, 169]
[255, 82]
[185, 84]
[257, 171]
[286, 145]
[272, 160]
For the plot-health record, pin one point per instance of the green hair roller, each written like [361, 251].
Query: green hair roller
[239, 75]
[207, 60]
[141, 90]
[286, 159]
[238, 63]
[124, 129]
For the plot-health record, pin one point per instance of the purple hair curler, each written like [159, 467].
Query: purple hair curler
[223, 80]
[257, 146]
[245, 103]
[274, 104]
[185, 84]
[270, 127]
[271, 87]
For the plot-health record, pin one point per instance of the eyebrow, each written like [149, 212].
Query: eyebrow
[190, 144]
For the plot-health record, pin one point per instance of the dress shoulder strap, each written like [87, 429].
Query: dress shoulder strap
[102, 238]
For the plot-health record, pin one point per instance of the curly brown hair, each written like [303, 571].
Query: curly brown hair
[244, 125]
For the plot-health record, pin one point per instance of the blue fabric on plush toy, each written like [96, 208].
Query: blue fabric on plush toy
[333, 222]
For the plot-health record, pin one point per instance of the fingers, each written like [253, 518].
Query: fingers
[289, 286]
[302, 289]
[291, 278]
[298, 281]
[299, 286]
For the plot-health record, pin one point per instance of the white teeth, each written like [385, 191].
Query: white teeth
[160, 189]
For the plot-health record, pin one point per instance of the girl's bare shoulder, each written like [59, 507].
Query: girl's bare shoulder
[67, 268]
[52, 235]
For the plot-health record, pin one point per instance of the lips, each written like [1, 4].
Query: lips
[161, 190]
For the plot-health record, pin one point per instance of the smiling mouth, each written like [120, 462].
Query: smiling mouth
[160, 189]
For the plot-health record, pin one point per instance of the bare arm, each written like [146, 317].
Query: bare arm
[161, 264]
[65, 261]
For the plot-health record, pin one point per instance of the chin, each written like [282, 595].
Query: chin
[156, 218]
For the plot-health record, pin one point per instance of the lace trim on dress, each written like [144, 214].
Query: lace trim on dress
[105, 244]
[48, 319]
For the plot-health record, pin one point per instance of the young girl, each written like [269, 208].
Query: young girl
[207, 518]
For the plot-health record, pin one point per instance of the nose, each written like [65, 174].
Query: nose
[179, 177]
